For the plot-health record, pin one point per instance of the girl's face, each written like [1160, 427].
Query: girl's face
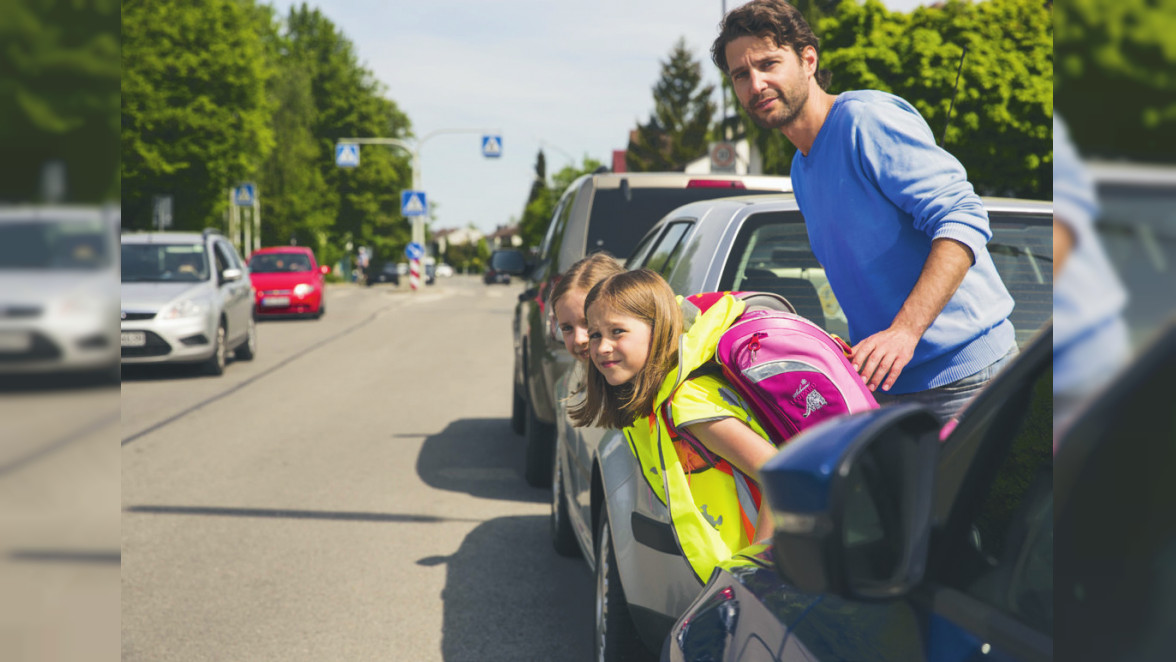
[572, 324]
[617, 343]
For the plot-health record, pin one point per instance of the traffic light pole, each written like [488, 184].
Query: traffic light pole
[418, 222]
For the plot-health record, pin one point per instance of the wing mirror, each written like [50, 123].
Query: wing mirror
[851, 500]
[231, 274]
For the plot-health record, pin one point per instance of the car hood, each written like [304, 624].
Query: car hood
[148, 297]
[37, 287]
[282, 280]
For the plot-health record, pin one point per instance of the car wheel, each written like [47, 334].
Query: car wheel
[563, 539]
[322, 309]
[215, 364]
[540, 438]
[616, 637]
[248, 349]
[518, 409]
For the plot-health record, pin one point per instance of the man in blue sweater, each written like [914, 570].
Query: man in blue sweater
[891, 216]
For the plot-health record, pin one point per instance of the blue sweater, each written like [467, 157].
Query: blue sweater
[875, 190]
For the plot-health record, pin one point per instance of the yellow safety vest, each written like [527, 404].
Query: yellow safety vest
[713, 509]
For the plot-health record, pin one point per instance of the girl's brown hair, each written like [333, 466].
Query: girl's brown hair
[584, 274]
[642, 294]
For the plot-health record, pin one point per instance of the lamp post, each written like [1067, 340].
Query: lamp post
[418, 224]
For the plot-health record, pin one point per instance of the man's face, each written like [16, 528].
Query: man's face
[772, 82]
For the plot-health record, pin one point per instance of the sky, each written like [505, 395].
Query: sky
[570, 78]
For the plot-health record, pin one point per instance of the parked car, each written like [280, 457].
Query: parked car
[862, 576]
[382, 272]
[502, 263]
[287, 281]
[600, 499]
[598, 212]
[444, 271]
[58, 291]
[186, 298]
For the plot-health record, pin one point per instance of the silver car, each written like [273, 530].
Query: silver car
[58, 291]
[186, 298]
[601, 505]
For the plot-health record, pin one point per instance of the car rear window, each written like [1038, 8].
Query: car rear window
[618, 221]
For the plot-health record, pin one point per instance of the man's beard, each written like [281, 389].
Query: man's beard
[791, 104]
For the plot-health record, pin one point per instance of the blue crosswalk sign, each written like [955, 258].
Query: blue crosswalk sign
[414, 251]
[244, 195]
[347, 155]
[492, 146]
[413, 203]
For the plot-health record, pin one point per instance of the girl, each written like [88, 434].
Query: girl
[639, 380]
[567, 300]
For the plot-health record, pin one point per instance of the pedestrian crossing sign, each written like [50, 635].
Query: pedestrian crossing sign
[491, 146]
[244, 195]
[347, 155]
[413, 203]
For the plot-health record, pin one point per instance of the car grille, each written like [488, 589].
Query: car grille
[155, 346]
[131, 317]
[276, 292]
[40, 349]
[19, 312]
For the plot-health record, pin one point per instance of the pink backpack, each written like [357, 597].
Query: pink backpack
[791, 372]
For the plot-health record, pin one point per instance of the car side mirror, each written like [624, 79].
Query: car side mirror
[231, 274]
[851, 501]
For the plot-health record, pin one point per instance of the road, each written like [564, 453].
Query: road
[354, 493]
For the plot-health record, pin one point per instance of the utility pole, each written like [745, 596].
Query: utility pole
[414, 150]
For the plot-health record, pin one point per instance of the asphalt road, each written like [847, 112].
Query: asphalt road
[354, 493]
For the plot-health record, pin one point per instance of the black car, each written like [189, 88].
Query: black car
[381, 272]
[895, 541]
[504, 262]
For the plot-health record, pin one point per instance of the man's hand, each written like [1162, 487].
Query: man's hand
[880, 358]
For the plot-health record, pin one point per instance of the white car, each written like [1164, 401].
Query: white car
[444, 270]
[186, 298]
[58, 292]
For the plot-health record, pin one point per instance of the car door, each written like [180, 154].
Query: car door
[236, 294]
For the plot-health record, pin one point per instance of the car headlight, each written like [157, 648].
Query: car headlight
[182, 309]
[303, 289]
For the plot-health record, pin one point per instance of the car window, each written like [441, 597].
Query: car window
[621, 216]
[222, 259]
[559, 219]
[1002, 523]
[668, 248]
[772, 254]
[164, 263]
[1022, 250]
[267, 263]
[639, 253]
[54, 245]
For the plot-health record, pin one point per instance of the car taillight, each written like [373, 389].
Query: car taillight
[714, 183]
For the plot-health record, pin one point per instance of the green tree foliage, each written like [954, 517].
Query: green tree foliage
[540, 207]
[59, 97]
[195, 114]
[678, 128]
[1114, 82]
[1000, 124]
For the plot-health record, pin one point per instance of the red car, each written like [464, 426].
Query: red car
[287, 281]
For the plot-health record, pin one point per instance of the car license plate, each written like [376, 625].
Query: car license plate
[134, 338]
[275, 301]
[15, 341]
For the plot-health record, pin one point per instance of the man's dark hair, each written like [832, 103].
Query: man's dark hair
[775, 19]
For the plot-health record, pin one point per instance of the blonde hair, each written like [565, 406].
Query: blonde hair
[644, 295]
[584, 274]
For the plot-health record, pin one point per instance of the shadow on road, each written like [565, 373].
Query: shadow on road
[479, 456]
[509, 597]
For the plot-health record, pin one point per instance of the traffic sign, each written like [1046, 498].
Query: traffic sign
[244, 195]
[413, 203]
[347, 155]
[414, 251]
[722, 156]
[492, 146]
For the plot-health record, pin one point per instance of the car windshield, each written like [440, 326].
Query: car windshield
[268, 263]
[54, 245]
[164, 263]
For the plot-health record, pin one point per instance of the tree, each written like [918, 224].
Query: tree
[1114, 82]
[678, 129]
[59, 97]
[195, 116]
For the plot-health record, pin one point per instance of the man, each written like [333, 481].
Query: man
[891, 216]
[1091, 341]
